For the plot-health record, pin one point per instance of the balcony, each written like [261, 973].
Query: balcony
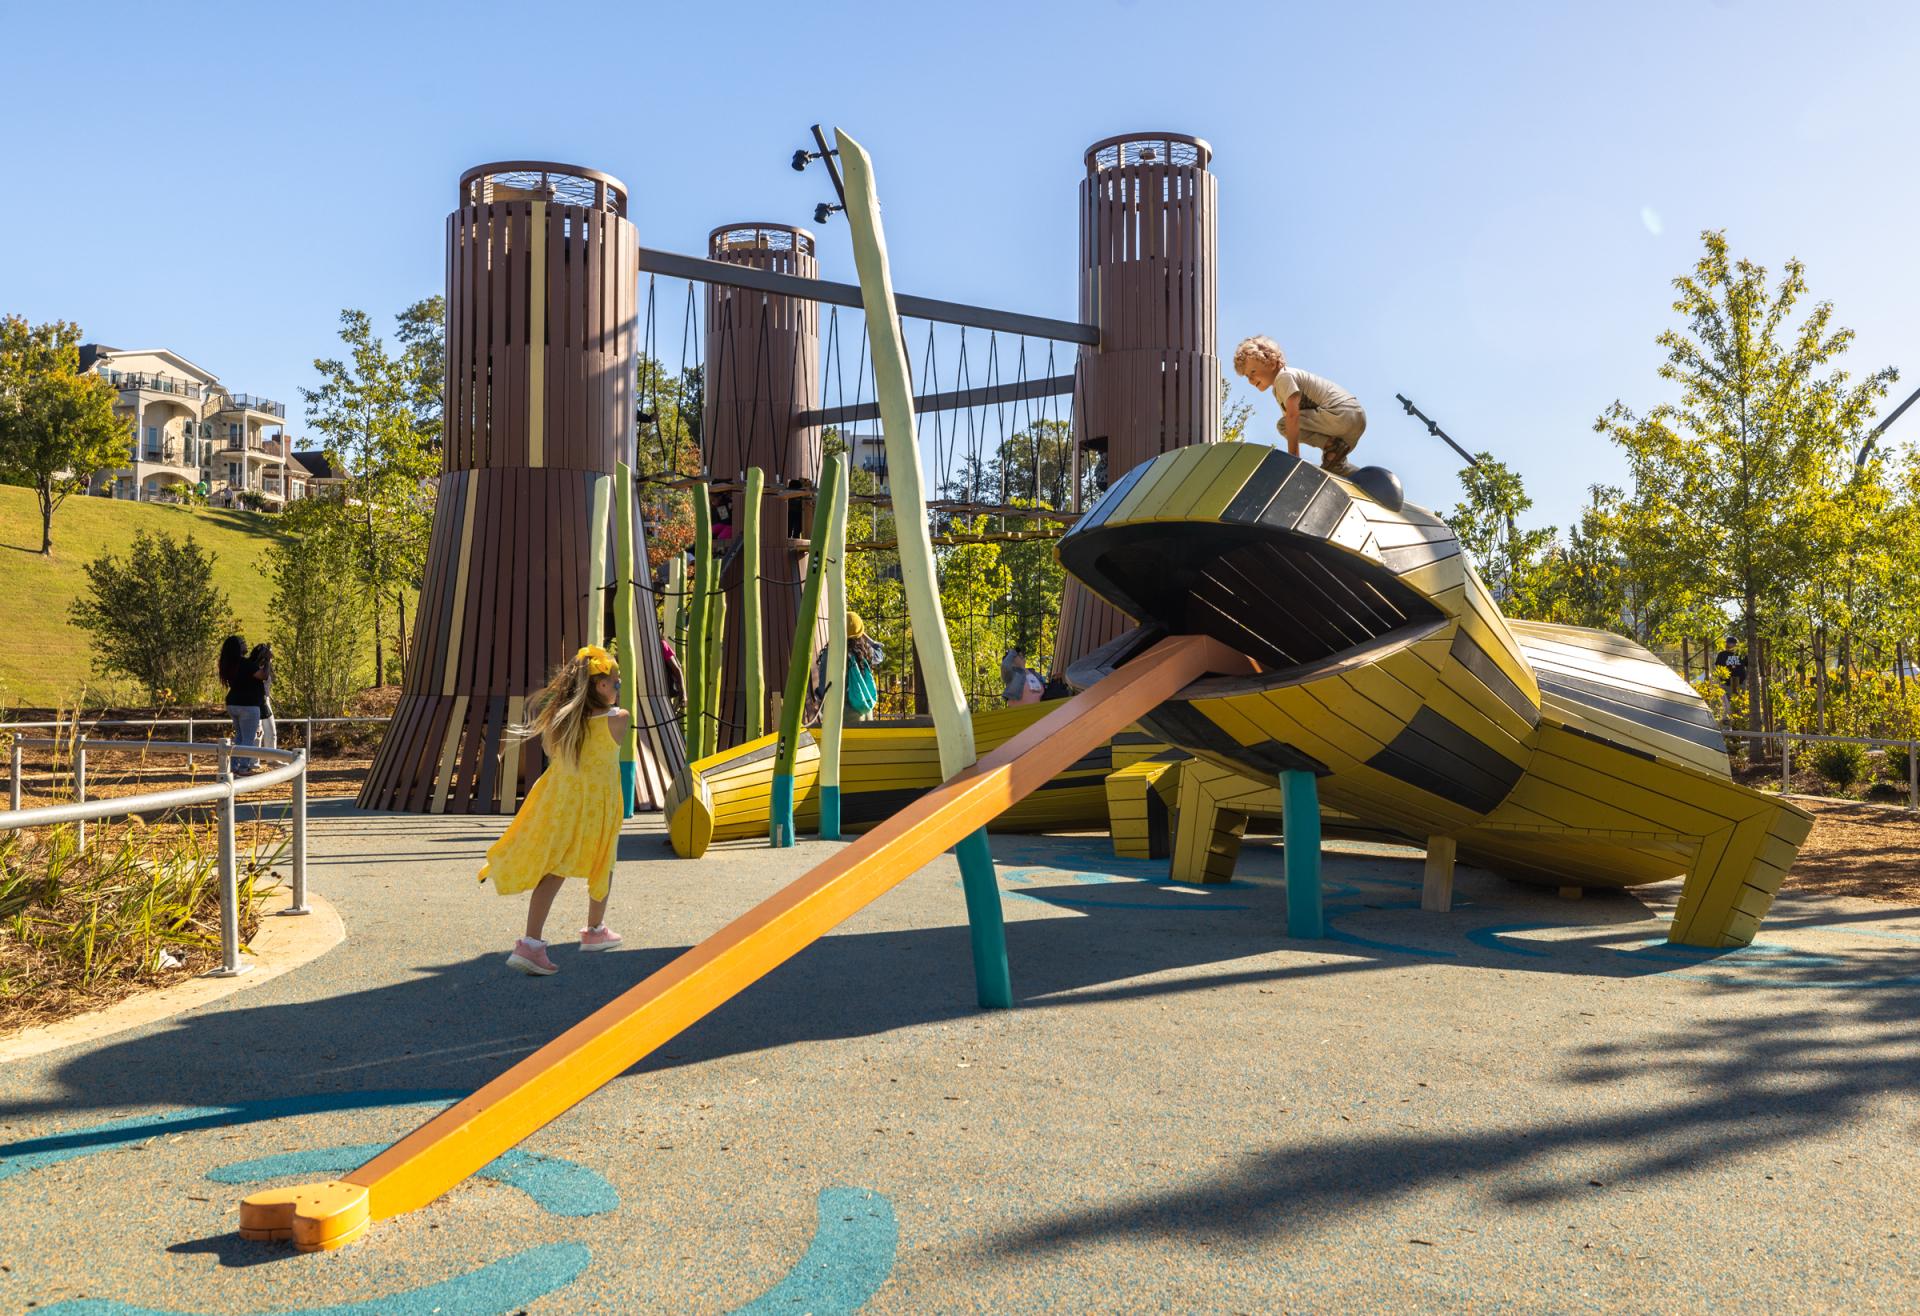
[170, 454]
[254, 402]
[128, 380]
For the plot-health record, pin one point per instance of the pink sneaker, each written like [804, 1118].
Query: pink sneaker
[600, 938]
[530, 957]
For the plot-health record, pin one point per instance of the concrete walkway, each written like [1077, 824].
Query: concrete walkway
[1528, 1104]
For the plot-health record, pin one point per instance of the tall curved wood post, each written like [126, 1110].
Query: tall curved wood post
[762, 379]
[780, 827]
[693, 661]
[1149, 280]
[542, 343]
[833, 710]
[753, 674]
[711, 667]
[625, 624]
[894, 391]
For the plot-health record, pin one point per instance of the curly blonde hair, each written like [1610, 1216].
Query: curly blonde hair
[1258, 348]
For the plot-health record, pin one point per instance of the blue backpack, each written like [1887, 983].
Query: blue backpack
[862, 693]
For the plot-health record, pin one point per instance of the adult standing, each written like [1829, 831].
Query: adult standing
[245, 694]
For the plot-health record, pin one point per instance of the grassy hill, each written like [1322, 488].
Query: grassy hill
[43, 658]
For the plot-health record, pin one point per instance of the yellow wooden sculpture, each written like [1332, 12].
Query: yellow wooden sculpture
[1555, 754]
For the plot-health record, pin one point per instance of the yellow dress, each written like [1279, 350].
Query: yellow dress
[569, 823]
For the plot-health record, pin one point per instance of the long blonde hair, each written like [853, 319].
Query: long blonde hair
[560, 711]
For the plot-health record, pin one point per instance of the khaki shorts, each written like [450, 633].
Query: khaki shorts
[1335, 431]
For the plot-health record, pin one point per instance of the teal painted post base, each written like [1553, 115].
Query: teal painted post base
[629, 777]
[1300, 832]
[829, 813]
[985, 924]
[780, 819]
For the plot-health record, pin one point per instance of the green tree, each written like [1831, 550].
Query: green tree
[1730, 480]
[381, 422]
[1516, 564]
[974, 585]
[57, 427]
[156, 616]
[319, 612]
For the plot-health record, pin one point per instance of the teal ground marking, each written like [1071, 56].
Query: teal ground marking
[1331, 933]
[558, 1187]
[38, 1153]
[849, 1259]
[505, 1286]
[1490, 938]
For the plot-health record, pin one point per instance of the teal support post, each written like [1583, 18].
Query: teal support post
[1300, 830]
[986, 925]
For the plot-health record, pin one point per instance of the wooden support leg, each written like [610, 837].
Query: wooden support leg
[1436, 892]
[1300, 830]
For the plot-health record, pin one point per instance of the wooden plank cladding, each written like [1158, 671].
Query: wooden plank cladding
[542, 335]
[762, 386]
[541, 306]
[1149, 281]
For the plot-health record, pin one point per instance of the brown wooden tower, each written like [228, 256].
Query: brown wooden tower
[542, 281]
[762, 375]
[1148, 279]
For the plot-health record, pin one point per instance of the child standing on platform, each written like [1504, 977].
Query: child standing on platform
[569, 824]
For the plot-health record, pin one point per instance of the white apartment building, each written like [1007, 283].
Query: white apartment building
[192, 433]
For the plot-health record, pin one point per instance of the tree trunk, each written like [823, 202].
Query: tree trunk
[1900, 666]
[1820, 680]
[400, 613]
[1752, 619]
[46, 522]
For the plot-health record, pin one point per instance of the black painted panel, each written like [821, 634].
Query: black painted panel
[1180, 723]
[1468, 653]
[1324, 512]
[1302, 483]
[1258, 491]
[1440, 758]
[1670, 716]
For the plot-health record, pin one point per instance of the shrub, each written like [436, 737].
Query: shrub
[1842, 763]
[156, 616]
[319, 615]
[1887, 792]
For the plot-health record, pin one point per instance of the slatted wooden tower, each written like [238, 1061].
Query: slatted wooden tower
[763, 371]
[1148, 279]
[542, 283]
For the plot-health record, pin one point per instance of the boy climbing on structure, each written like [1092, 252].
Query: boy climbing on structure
[1313, 410]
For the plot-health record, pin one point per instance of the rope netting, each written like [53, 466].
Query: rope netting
[995, 445]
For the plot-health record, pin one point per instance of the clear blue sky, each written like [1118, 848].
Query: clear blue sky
[1479, 206]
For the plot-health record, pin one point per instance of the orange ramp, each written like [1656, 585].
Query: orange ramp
[445, 1150]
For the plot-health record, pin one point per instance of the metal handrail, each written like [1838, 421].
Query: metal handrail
[1786, 739]
[224, 792]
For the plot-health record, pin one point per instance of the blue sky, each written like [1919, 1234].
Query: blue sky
[1479, 206]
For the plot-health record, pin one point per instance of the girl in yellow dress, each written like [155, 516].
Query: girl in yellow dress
[569, 824]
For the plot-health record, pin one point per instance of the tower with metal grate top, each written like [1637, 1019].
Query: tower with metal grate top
[762, 378]
[1148, 279]
[542, 282]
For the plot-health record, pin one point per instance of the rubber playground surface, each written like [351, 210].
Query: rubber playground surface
[1527, 1104]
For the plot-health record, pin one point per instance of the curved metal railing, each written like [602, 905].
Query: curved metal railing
[224, 793]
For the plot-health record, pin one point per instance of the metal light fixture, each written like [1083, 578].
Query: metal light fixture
[822, 211]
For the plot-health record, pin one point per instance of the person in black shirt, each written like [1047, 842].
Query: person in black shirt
[1733, 665]
[246, 692]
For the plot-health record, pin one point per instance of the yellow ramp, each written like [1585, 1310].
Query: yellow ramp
[451, 1146]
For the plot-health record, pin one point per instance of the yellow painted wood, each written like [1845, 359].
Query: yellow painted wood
[537, 342]
[506, 792]
[452, 669]
[1242, 461]
[449, 748]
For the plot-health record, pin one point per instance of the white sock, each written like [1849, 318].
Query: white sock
[534, 942]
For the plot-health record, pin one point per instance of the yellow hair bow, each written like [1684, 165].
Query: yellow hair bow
[599, 662]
